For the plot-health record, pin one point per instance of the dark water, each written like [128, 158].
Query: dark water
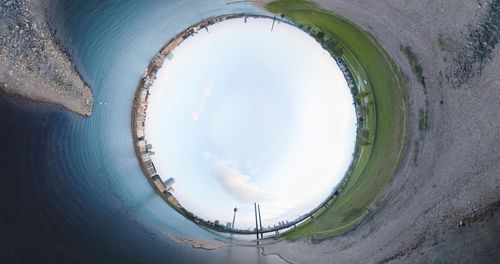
[71, 188]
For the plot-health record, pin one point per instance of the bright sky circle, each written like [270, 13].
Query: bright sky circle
[243, 114]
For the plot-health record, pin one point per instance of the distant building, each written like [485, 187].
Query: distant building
[171, 199]
[168, 183]
[157, 183]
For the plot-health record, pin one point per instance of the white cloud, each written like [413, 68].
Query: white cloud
[206, 92]
[252, 169]
[235, 182]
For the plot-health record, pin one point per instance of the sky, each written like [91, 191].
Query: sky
[242, 115]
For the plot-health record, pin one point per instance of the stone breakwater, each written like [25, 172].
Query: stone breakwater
[32, 64]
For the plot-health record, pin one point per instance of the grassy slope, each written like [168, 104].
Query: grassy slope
[378, 161]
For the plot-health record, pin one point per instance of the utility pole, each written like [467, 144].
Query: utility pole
[234, 216]
[260, 222]
[256, 225]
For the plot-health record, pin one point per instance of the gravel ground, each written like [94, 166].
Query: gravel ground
[443, 203]
[32, 64]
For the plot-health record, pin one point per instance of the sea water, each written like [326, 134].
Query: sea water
[71, 187]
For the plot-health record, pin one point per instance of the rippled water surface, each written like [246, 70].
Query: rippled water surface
[71, 188]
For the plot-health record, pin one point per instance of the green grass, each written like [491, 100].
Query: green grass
[386, 122]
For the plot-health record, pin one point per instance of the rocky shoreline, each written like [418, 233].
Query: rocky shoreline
[32, 64]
